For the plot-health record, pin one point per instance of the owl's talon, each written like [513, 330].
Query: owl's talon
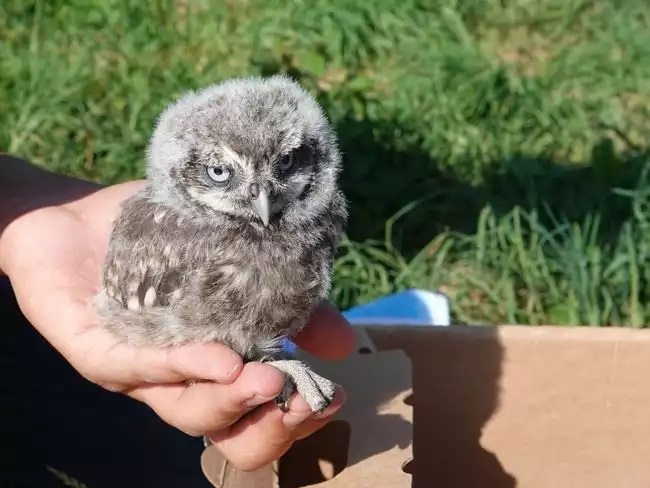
[282, 404]
[326, 403]
[282, 400]
[317, 391]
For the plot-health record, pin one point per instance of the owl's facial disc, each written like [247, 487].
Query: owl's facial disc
[210, 146]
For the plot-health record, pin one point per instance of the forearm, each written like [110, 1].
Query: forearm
[25, 188]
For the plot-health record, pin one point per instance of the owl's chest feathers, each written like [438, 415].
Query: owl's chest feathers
[269, 273]
[262, 284]
[258, 274]
[227, 282]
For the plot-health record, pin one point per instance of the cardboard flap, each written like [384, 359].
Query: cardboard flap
[222, 474]
[367, 443]
[492, 407]
[528, 407]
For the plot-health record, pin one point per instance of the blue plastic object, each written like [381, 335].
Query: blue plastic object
[410, 307]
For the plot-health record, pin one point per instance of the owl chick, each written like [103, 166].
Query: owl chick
[233, 238]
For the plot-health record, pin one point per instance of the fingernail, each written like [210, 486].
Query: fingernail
[331, 410]
[293, 419]
[256, 400]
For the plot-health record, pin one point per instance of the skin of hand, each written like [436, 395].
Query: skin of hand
[52, 249]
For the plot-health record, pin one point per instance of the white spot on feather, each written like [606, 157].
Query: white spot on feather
[149, 297]
[133, 303]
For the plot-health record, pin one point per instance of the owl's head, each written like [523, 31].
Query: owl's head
[259, 149]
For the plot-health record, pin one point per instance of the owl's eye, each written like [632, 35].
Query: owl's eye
[286, 162]
[220, 174]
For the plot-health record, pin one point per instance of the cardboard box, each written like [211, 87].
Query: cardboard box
[484, 407]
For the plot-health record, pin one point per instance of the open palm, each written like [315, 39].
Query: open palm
[55, 269]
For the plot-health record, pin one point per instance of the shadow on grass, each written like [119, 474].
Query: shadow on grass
[380, 179]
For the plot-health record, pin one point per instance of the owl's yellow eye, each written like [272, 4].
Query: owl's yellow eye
[286, 162]
[220, 174]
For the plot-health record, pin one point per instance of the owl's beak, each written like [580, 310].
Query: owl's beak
[262, 207]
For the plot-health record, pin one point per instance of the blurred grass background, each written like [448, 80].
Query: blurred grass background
[495, 150]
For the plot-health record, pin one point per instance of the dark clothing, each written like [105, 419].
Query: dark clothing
[53, 417]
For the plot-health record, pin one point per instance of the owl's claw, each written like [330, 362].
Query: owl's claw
[317, 391]
[282, 400]
[282, 403]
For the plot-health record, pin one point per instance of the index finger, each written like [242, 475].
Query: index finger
[328, 334]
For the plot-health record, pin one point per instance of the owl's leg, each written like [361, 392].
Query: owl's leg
[317, 391]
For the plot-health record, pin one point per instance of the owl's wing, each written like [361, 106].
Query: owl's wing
[148, 268]
[148, 262]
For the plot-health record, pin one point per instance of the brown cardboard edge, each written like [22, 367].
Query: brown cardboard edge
[525, 332]
[382, 383]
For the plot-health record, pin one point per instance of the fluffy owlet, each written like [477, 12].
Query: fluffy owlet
[233, 238]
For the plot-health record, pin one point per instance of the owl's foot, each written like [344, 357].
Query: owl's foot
[317, 391]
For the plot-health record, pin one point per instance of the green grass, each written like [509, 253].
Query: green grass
[65, 480]
[518, 127]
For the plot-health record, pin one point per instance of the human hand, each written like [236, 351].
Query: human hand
[53, 256]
